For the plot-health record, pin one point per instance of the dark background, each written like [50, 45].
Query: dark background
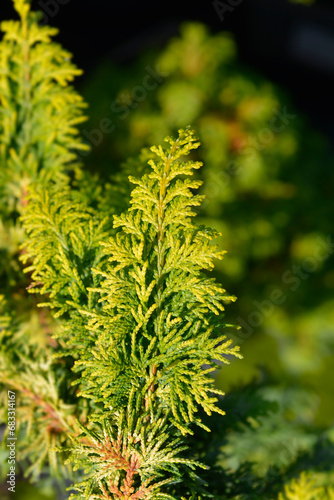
[291, 44]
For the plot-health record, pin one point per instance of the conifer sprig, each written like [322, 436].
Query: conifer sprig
[45, 408]
[39, 111]
[165, 311]
[39, 140]
[130, 458]
[141, 319]
[64, 234]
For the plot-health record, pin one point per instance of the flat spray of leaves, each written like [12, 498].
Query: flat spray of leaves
[39, 140]
[162, 311]
[142, 344]
[39, 110]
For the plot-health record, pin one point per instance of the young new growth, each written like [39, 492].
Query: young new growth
[39, 110]
[135, 317]
[163, 310]
[39, 140]
[113, 382]
[142, 332]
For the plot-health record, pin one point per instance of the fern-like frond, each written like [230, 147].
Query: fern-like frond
[129, 457]
[39, 111]
[63, 246]
[155, 296]
[43, 404]
[141, 320]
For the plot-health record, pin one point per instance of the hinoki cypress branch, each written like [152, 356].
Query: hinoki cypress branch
[137, 324]
[141, 337]
[39, 110]
[39, 141]
[113, 383]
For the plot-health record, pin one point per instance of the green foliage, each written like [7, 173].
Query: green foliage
[64, 234]
[39, 111]
[304, 488]
[264, 169]
[115, 381]
[136, 456]
[39, 384]
[39, 114]
[141, 317]
[39, 141]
